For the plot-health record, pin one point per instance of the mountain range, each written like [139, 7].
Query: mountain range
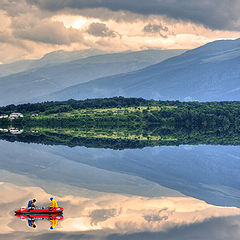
[60, 70]
[207, 73]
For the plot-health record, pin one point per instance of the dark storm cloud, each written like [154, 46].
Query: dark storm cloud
[100, 30]
[215, 14]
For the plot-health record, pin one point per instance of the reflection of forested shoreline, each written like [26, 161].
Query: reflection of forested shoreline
[161, 137]
[120, 123]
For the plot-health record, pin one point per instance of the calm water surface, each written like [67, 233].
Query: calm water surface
[185, 192]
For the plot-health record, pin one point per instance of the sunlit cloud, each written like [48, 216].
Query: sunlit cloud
[73, 21]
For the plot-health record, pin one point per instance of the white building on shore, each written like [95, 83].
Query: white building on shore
[15, 115]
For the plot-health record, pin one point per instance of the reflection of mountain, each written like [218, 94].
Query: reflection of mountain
[56, 174]
[208, 73]
[209, 173]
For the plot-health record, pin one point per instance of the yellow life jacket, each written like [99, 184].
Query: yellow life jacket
[54, 203]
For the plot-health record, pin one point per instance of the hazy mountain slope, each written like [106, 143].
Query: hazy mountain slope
[211, 72]
[32, 85]
[15, 67]
[52, 58]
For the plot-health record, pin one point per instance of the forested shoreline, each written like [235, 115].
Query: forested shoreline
[108, 111]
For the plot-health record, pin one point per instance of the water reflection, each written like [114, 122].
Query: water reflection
[153, 193]
[32, 219]
[14, 131]
[111, 213]
[209, 173]
[40, 164]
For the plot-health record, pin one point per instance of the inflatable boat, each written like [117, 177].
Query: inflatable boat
[28, 211]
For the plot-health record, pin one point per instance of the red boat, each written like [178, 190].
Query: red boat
[37, 211]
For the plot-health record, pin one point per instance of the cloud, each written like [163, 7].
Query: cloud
[14, 7]
[28, 32]
[45, 31]
[31, 28]
[155, 28]
[100, 30]
[215, 14]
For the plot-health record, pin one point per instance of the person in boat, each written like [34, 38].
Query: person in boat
[31, 204]
[54, 203]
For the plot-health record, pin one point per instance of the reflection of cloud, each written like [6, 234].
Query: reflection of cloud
[115, 213]
[213, 229]
[101, 215]
[155, 218]
[13, 197]
[158, 217]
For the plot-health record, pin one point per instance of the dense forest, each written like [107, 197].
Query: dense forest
[124, 123]
[119, 110]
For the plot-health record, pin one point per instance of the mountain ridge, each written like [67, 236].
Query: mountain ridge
[33, 84]
[208, 73]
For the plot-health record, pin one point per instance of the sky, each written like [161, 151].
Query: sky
[31, 28]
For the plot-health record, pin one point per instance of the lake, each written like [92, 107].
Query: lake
[166, 192]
